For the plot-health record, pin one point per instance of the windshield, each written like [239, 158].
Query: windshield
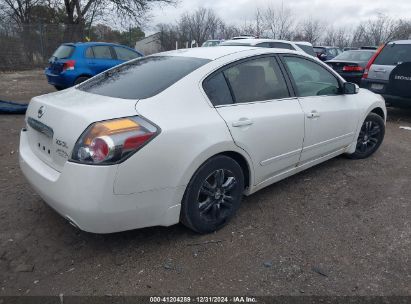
[142, 78]
[63, 51]
[355, 56]
[394, 54]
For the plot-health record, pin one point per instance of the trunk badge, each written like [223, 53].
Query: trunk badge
[40, 112]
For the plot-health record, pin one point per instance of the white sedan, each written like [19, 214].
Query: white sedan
[182, 135]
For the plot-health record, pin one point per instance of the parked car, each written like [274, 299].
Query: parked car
[389, 73]
[270, 43]
[306, 47]
[325, 53]
[351, 64]
[369, 48]
[182, 135]
[209, 43]
[73, 63]
[243, 37]
[349, 48]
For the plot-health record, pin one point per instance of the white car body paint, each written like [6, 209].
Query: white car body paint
[147, 188]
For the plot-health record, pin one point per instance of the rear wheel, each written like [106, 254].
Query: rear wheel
[80, 80]
[370, 137]
[213, 195]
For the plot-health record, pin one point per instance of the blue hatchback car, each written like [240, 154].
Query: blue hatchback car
[73, 63]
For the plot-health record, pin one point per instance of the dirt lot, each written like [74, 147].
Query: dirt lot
[341, 228]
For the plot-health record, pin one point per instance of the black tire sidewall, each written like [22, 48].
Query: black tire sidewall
[377, 119]
[190, 214]
[80, 80]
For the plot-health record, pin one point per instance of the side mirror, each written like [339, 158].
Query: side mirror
[323, 56]
[350, 88]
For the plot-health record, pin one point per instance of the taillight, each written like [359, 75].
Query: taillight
[351, 68]
[371, 61]
[113, 141]
[69, 65]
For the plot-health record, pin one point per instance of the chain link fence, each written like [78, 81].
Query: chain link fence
[30, 46]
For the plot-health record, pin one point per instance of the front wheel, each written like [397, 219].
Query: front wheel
[370, 138]
[213, 195]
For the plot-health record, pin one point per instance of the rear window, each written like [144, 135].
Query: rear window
[142, 78]
[63, 51]
[355, 55]
[307, 49]
[394, 54]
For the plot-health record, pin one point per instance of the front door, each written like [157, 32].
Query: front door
[264, 120]
[330, 116]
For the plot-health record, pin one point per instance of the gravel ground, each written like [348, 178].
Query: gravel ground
[341, 228]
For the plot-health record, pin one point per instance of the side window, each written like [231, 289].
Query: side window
[125, 54]
[217, 90]
[256, 80]
[263, 44]
[89, 53]
[281, 45]
[102, 52]
[310, 78]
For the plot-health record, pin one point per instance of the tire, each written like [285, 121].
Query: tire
[370, 137]
[213, 195]
[80, 80]
[58, 88]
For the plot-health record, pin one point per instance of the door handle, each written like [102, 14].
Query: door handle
[242, 122]
[313, 114]
[380, 70]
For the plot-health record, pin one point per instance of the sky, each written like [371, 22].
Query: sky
[334, 12]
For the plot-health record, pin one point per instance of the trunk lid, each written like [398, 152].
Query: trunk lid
[55, 121]
[380, 72]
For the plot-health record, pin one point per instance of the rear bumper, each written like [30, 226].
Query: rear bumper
[352, 77]
[391, 99]
[84, 195]
[63, 80]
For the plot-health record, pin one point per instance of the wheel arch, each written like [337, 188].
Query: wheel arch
[240, 156]
[379, 112]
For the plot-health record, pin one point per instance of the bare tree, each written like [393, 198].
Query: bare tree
[309, 30]
[279, 21]
[20, 11]
[201, 25]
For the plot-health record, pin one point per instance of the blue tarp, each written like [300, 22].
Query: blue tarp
[8, 107]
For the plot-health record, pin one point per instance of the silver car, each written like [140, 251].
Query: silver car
[389, 73]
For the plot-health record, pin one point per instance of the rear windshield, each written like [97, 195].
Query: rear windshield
[394, 54]
[63, 51]
[142, 78]
[307, 48]
[355, 55]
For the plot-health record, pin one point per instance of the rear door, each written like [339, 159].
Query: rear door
[330, 117]
[263, 117]
[100, 58]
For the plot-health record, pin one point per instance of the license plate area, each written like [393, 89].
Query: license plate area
[377, 86]
[44, 144]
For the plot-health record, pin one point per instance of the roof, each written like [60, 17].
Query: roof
[92, 43]
[254, 41]
[400, 42]
[213, 53]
